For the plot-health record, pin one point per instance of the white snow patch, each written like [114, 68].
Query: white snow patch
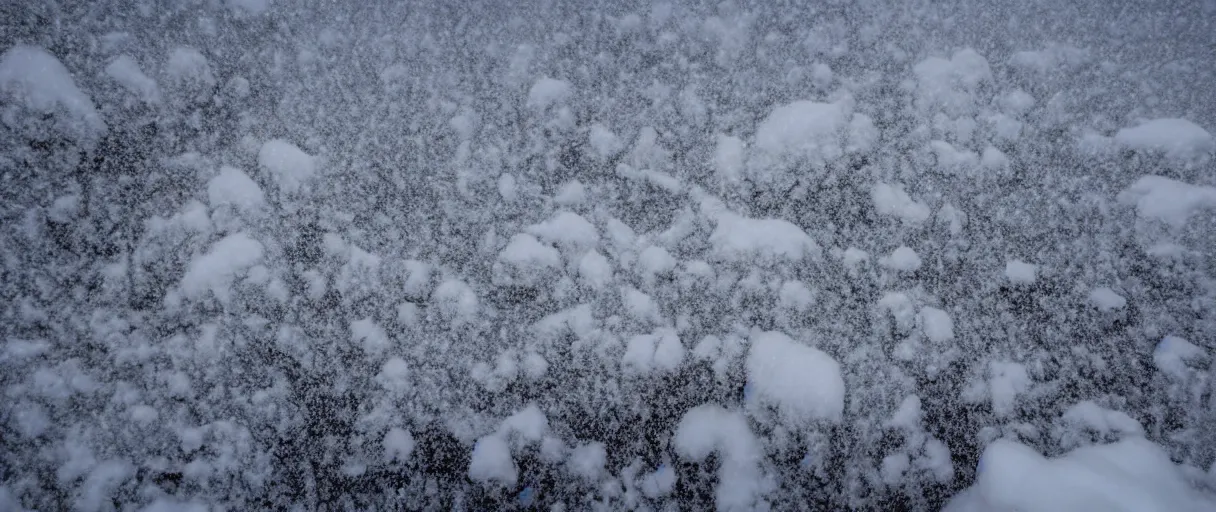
[1172, 355]
[803, 383]
[375, 341]
[709, 428]
[605, 143]
[1131, 475]
[567, 230]
[1006, 380]
[803, 130]
[595, 270]
[398, 445]
[937, 325]
[35, 79]
[661, 351]
[1106, 300]
[572, 193]
[1167, 200]
[1176, 138]
[587, 461]
[548, 91]
[124, 70]
[728, 159]
[902, 259]
[491, 462]
[215, 270]
[893, 201]
[525, 261]
[457, 300]
[290, 166]
[741, 239]
[795, 296]
[1089, 415]
[1021, 273]
[189, 67]
[233, 187]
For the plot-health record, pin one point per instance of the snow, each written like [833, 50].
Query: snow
[795, 296]
[1130, 475]
[33, 78]
[124, 70]
[215, 270]
[491, 462]
[398, 445]
[547, 92]
[654, 261]
[640, 306]
[1176, 138]
[659, 483]
[661, 351]
[708, 429]
[1173, 354]
[567, 230]
[595, 270]
[893, 201]
[1106, 300]
[605, 143]
[235, 188]
[249, 6]
[803, 130]
[803, 383]
[728, 159]
[1167, 200]
[507, 187]
[587, 461]
[1021, 273]
[572, 193]
[938, 326]
[526, 261]
[394, 373]
[1092, 416]
[741, 239]
[902, 259]
[189, 67]
[457, 299]
[290, 166]
[950, 85]
[1006, 380]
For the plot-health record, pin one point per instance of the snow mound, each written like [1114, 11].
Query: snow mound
[708, 429]
[525, 260]
[741, 239]
[937, 325]
[1130, 475]
[33, 78]
[548, 91]
[1167, 200]
[1089, 415]
[902, 259]
[803, 383]
[803, 130]
[1176, 138]
[126, 72]
[893, 201]
[491, 461]
[235, 188]
[1006, 380]
[290, 166]
[215, 270]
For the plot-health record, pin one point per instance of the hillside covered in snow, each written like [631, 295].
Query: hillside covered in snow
[264, 254]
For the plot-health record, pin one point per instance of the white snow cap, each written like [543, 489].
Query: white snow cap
[893, 201]
[1176, 138]
[548, 91]
[215, 270]
[31, 77]
[233, 187]
[1167, 200]
[1020, 272]
[709, 428]
[1106, 300]
[740, 239]
[1130, 475]
[802, 383]
[290, 166]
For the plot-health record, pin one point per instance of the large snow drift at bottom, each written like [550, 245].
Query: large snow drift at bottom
[1131, 475]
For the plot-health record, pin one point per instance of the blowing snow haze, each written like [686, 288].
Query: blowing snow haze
[565, 256]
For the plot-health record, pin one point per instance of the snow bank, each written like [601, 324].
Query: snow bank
[802, 383]
[708, 429]
[1130, 475]
[32, 78]
[1167, 200]
[290, 166]
[1176, 138]
[215, 270]
[893, 201]
[740, 239]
